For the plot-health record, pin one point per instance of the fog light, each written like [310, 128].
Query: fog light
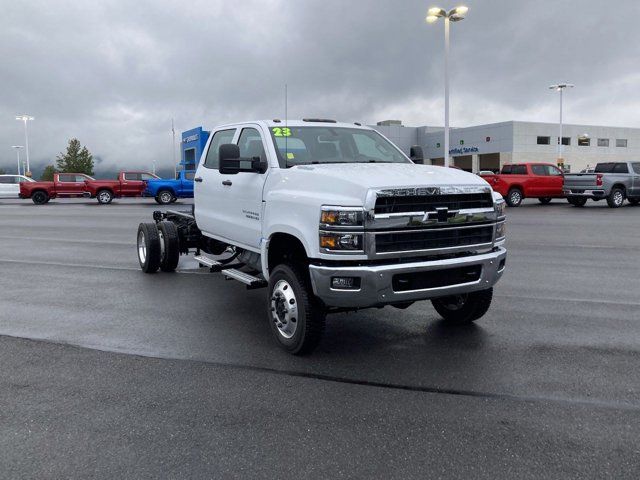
[345, 283]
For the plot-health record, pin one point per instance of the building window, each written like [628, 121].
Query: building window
[603, 142]
[584, 141]
[544, 141]
[565, 141]
[621, 142]
[461, 142]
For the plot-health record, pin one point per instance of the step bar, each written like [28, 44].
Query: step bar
[229, 272]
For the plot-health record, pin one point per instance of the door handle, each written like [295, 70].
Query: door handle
[197, 179]
[227, 183]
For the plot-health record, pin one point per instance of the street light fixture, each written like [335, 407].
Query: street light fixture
[454, 15]
[25, 119]
[559, 88]
[18, 147]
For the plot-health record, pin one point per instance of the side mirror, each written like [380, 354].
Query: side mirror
[231, 163]
[229, 155]
[416, 154]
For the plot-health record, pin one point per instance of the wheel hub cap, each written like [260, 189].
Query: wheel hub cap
[284, 309]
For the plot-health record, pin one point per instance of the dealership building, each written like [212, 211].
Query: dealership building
[488, 147]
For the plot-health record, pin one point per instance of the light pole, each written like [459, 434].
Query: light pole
[18, 147]
[454, 15]
[25, 119]
[560, 87]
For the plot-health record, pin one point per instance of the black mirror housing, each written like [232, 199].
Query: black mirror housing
[231, 162]
[416, 154]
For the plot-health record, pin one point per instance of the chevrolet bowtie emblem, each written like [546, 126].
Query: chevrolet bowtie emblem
[442, 214]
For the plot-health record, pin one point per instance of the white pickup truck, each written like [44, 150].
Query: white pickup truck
[332, 217]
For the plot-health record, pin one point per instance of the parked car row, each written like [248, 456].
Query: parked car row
[74, 185]
[614, 182]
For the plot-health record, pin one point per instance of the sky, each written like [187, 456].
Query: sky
[113, 73]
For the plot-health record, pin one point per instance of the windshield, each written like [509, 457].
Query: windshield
[316, 145]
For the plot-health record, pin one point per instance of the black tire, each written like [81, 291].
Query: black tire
[165, 197]
[104, 196]
[170, 254]
[634, 201]
[514, 197]
[149, 239]
[307, 319]
[463, 309]
[157, 201]
[545, 200]
[577, 201]
[616, 198]
[40, 197]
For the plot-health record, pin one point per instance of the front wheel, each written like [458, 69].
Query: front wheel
[514, 197]
[40, 198]
[544, 200]
[296, 318]
[615, 198]
[104, 197]
[577, 201]
[465, 308]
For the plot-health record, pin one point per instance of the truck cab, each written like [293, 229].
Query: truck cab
[333, 217]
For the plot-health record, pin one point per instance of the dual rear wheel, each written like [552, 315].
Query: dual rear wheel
[158, 247]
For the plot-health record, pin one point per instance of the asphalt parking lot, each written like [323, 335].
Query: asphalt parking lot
[111, 373]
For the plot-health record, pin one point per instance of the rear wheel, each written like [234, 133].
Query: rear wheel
[577, 201]
[40, 198]
[544, 200]
[104, 197]
[165, 197]
[296, 318]
[169, 245]
[514, 197]
[615, 198]
[149, 247]
[465, 308]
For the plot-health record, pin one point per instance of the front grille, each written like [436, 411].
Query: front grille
[429, 203]
[433, 239]
[404, 282]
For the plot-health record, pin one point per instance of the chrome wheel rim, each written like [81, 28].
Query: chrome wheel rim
[165, 197]
[162, 249]
[515, 197]
[284, 309]
[142, 247]
[618, 198]
[104, 197]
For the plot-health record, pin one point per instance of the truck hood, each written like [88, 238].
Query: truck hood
[389, 175]
[348, 184]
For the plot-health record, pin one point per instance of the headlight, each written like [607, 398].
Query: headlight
[501, 230]
[341, 217]
[341, 241]
[501, 208]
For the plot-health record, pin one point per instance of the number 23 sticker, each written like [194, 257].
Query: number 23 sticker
[281, 132]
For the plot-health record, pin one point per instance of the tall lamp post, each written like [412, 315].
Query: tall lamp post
[454, 15]
[18, 147]
[25, 119]
[559, 88]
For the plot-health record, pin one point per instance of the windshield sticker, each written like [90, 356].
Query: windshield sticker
[290, 156]
[281, 132]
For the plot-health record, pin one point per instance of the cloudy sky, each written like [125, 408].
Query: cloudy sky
[113, 72]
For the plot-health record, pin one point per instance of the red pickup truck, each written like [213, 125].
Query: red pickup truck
[128, 184]
[64, 185]
[518, 181]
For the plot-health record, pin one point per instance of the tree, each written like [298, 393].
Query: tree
[47, 174]
[77, 159]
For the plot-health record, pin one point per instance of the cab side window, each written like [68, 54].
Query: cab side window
[212, 160]
[538, 170]
[636, 167]
[519, 169]
[620, 168]
[65, 177]
[553, 171]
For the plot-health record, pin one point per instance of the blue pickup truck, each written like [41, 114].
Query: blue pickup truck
[167, 190]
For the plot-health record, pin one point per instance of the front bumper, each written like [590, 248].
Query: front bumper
[377, 281]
